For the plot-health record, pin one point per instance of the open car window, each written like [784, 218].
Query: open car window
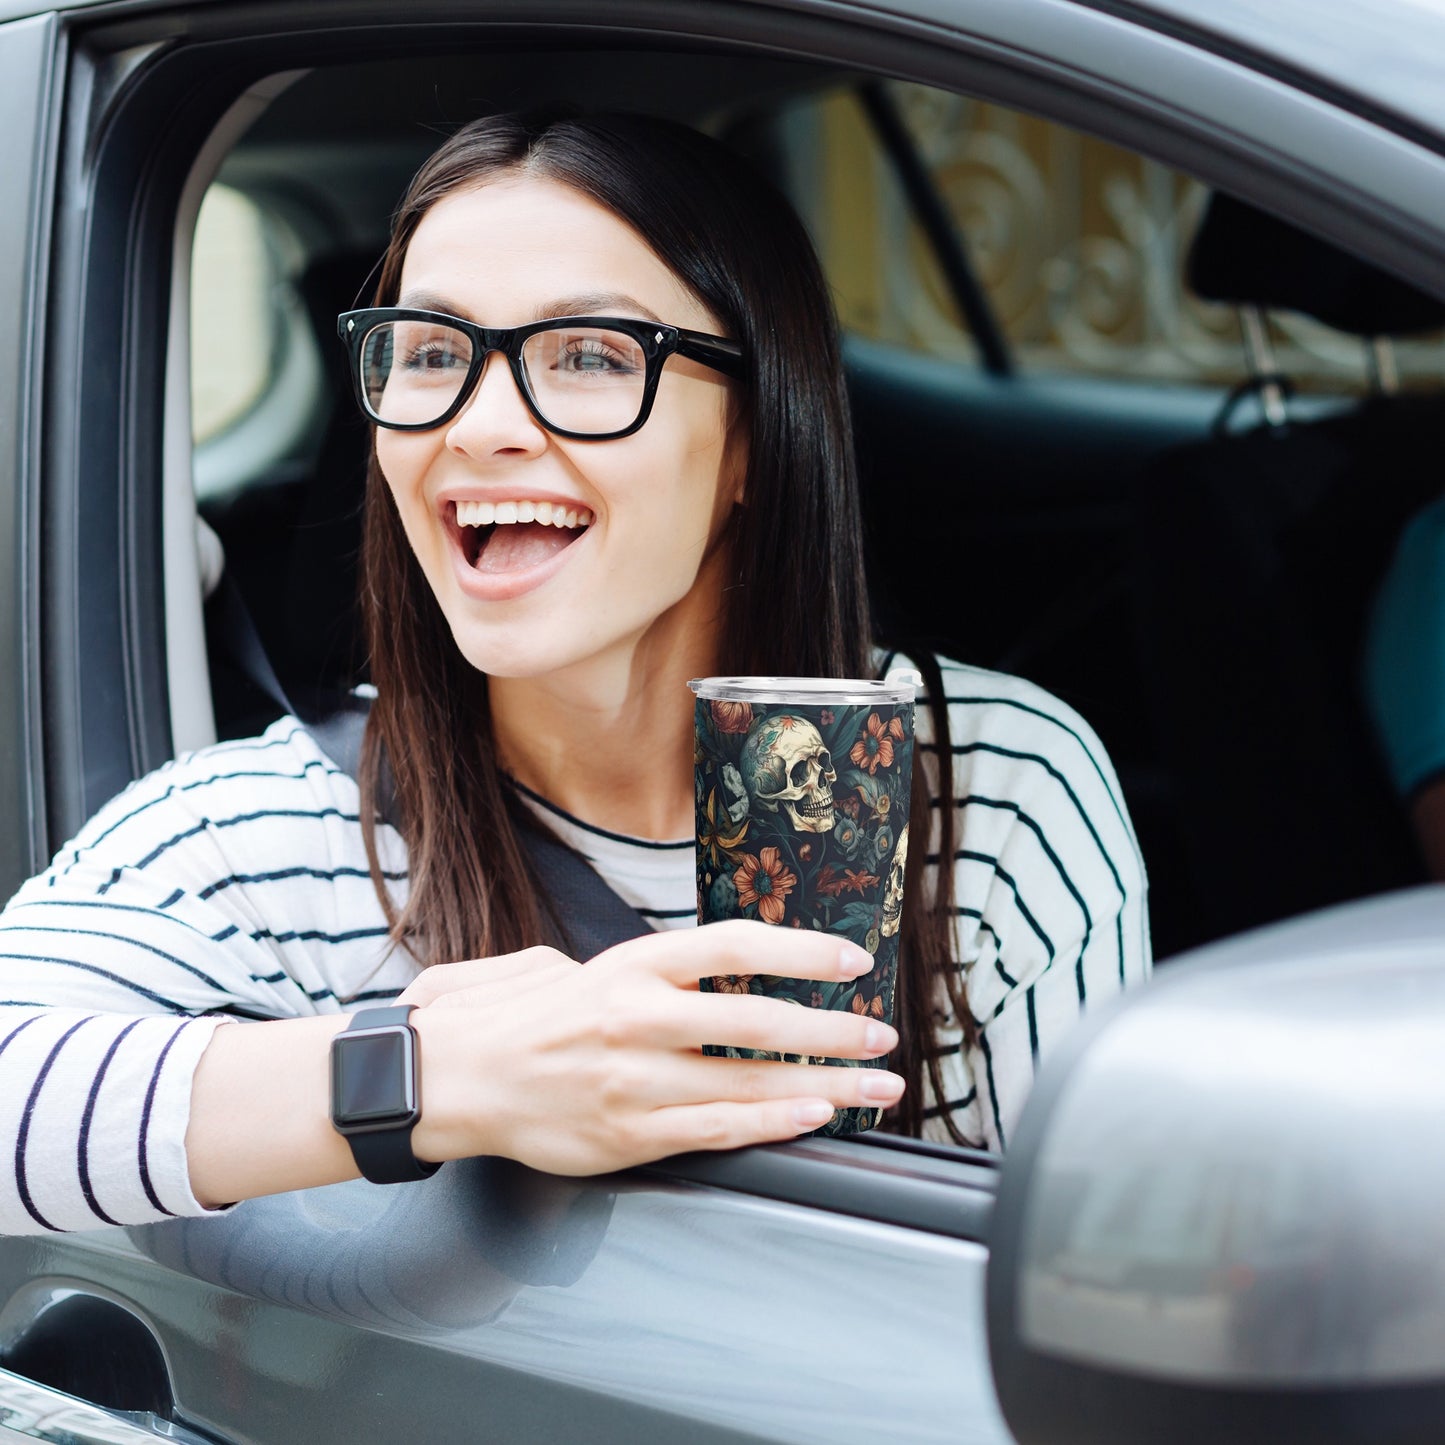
[1079, 246]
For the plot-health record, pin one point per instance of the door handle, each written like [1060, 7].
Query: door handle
[31, 1412]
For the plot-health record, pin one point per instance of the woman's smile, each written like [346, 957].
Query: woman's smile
[504, 549]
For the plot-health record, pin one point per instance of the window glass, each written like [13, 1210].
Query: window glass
[234, 323]
[886, 281]
[1079, 245]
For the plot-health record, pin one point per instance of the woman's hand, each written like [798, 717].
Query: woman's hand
[580, 1070]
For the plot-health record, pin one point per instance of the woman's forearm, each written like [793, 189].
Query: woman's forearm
[260, 1112]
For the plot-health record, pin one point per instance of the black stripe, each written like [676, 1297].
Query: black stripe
[209, 781]
[1006, 805]
[134, 942]
[968, 855]
[233, 822]
[300, 871]
[170, 1004]
[7, 923]
[317, 935]
[984, 926]
[1009, 980]
[937, 1111]
[24, 1024]
[22, 1137]
[174, 898]
[1058, 723]
[667, 912]
[82, 1148]
[372, 993]
[992, 1088]
[1104, 853]
[1033, 1026]
[145, 1124]
[590, 828]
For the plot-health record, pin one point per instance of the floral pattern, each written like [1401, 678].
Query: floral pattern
[753, 862]
[731, 717]
[874, 748]
[765, 882]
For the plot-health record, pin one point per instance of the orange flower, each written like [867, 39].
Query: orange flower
[859, 880]
[874, 748]
[763, 880]
[829, 884]
[732, 982]
[875, 1007]
[732, 717]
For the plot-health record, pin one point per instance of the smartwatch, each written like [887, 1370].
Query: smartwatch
[376, 1093]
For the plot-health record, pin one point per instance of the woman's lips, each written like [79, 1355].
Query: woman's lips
[503, 561]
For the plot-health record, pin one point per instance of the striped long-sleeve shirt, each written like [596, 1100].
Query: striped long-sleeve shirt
[233, 884]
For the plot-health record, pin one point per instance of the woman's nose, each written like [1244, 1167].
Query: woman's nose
[496, 417]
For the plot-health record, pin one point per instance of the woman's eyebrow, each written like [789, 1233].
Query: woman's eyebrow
[432, 301]
[597, 303]
[592, 303]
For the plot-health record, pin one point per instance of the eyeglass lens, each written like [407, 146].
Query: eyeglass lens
[582, 378]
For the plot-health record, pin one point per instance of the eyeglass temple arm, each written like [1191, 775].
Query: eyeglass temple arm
[726, 356]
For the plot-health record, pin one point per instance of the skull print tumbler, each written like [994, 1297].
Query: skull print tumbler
[802, 787]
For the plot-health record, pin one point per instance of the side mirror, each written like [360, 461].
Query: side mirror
[1222, 1217]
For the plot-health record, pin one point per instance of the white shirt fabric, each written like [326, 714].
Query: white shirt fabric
[232, 883]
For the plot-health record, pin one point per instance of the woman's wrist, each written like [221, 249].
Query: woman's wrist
[260, 1119]
[455, 1118]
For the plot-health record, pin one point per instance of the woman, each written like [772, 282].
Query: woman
[544, 567]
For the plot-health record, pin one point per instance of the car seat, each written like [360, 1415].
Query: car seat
[1256, 555]
[291, 548]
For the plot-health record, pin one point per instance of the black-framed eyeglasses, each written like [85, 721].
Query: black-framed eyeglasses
[591, 377]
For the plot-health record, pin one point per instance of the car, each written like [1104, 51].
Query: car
[1043, 222]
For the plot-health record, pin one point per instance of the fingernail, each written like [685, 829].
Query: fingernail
[883, 1088]
[812, 1114]
[879, 1039]
[854, 960]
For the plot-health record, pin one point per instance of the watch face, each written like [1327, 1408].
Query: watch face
[371, 1078]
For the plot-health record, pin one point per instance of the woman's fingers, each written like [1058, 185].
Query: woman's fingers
[749, 1021]
[528, 967]
[728, 1125]
[739, 946]
[692, 1080]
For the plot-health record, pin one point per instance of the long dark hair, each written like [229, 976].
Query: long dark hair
[800, 602]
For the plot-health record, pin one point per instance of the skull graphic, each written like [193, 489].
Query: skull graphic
[893, 889]
[784, 764]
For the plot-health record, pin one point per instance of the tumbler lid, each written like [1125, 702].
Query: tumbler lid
[809, 691]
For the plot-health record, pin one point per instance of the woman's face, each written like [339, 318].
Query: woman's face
[537, 598]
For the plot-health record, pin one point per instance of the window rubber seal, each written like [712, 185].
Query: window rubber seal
[880, 1177]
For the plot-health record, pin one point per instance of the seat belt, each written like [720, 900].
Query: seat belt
[592, 915]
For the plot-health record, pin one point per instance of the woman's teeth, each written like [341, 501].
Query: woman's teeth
[501, 514]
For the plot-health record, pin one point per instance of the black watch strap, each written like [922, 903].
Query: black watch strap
[382, 1149]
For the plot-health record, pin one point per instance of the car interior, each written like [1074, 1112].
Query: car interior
[1142, 444]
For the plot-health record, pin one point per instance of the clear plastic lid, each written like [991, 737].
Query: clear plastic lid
[810, 691]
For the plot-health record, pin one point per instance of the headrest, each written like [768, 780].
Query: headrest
[1244, 257]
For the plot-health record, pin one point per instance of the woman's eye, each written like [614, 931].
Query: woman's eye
[581, 357]
[434, 356]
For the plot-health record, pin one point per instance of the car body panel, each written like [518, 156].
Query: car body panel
[494, 1303]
